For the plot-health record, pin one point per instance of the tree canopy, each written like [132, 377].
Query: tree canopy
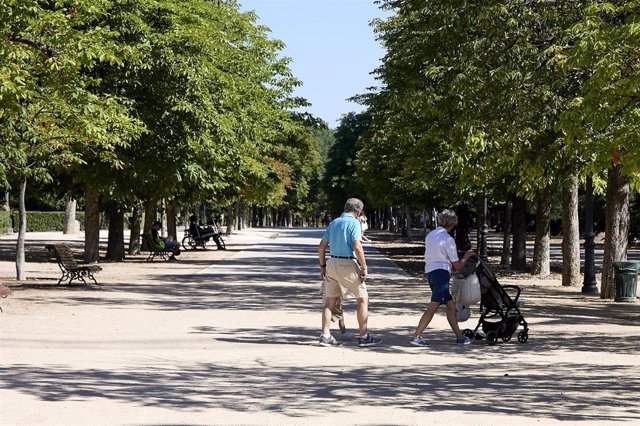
[188, 99]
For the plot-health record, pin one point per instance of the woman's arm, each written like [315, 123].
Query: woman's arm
[460, 263]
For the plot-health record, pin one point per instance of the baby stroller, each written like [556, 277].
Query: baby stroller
[499, 304]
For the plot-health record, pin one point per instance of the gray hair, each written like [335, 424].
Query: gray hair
[447, 217]
[353, 205]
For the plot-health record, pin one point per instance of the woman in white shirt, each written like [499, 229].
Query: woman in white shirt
[440, 255]
[363, 226]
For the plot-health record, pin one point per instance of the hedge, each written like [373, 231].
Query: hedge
[5, 220]
[47, 221]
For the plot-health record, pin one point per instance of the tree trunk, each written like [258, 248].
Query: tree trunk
[150, 215]
[238, 216]
[230, 210]
[172, 229]
[541, 248]
[373, 219]
[506, 237]
[91, 225]
[617, 228]
[519, 226]
[570, 235]
[407, 219]
[254, 216]
[463, 242]
[22, 230]
[134, 224]
[69, 224]
[115, 241]
[163, 217]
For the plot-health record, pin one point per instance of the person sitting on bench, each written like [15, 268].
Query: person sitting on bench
[159, 243]
[198, 231]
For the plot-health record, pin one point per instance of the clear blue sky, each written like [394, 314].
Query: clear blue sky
[332, 46]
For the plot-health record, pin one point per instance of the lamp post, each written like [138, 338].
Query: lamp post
[589, 285]
[485, 228]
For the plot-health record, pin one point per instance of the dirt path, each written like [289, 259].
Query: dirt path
[231, 338]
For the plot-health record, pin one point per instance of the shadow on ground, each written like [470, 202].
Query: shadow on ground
[489, 386]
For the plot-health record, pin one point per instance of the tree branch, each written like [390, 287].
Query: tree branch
[630, 104]
[49, 51]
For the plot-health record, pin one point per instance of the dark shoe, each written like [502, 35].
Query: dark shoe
[369, 340]
[173, 258]
[348, 337]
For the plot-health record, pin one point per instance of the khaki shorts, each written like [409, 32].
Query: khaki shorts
[343, 279]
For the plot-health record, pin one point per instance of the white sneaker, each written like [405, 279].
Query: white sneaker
[329, 341]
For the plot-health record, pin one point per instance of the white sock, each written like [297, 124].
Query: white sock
[326, 336]
[365, 336]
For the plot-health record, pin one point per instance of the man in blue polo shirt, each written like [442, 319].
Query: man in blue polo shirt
[344, 271]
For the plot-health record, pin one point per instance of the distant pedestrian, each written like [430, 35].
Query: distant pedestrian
[440, 254]
[345, 271]
[364, 225]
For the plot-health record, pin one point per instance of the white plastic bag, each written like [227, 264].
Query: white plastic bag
[462, 312]
[467, 289]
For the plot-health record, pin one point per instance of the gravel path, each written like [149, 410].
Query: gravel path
[231, 338]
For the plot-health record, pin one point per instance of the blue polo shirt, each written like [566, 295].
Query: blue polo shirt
[341, 233]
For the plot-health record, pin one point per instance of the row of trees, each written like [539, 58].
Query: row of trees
[126, 103]
[521, 99]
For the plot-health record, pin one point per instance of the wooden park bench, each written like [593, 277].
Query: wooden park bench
[159, 253]
[154, 249]
[71, 270]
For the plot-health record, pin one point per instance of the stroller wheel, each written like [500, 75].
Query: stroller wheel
[468, 333]
[492, 337]
[506, 338]
[523, 336]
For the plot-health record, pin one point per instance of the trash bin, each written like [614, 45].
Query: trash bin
[626, 278]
